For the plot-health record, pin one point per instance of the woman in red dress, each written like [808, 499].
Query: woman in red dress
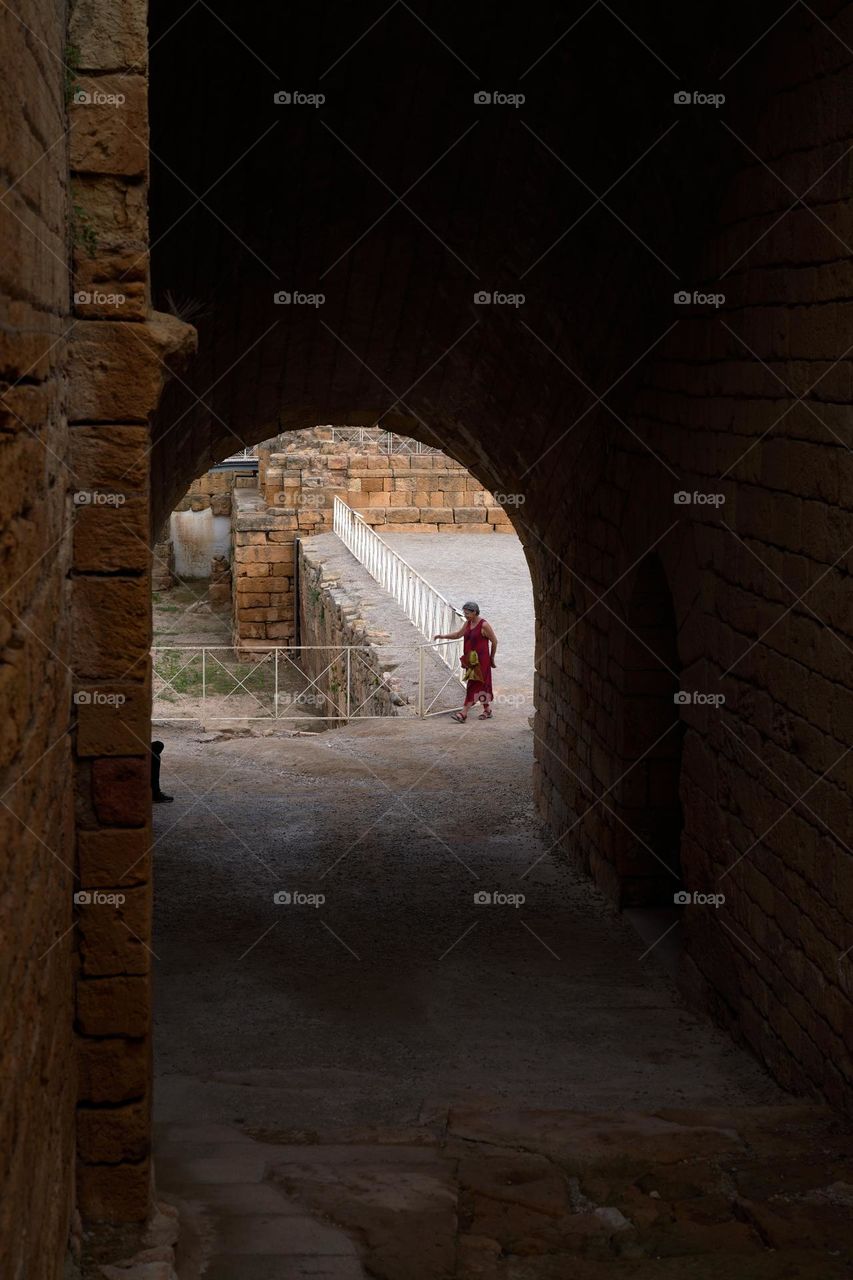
[478, 660]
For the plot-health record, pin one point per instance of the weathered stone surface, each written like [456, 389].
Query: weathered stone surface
[121, 791]
[109, 125]
[112, 1070]
[110, 34]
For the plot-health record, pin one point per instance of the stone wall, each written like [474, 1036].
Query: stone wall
[734, 491]
[412, 493]
[330, 616]
[36, 785]
[121, 352]
[84, 361]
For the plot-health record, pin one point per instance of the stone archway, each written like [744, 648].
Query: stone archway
[611, 390]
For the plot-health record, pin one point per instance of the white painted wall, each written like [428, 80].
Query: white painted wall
[198, 536]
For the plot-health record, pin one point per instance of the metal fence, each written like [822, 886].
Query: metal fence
[421, 603]
[224, 683]
[388, 441]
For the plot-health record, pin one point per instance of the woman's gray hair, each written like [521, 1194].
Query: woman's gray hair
[472, 606]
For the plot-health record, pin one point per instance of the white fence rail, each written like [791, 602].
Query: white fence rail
[421, 603]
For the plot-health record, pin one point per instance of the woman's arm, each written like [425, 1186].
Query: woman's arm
[492, 638]
[451, 635]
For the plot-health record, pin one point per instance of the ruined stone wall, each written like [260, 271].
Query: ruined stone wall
[36, 792]
[744, 495]
[411, 493]
[329, 617]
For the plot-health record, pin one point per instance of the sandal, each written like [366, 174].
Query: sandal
[458, 717]
[485, 715]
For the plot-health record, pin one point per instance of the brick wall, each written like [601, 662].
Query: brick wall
[759, 598]
[121, 353]
[36, 809]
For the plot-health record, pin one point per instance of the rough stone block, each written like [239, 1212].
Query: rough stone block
[109, 125]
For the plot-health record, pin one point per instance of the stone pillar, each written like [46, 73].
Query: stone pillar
[120, 352]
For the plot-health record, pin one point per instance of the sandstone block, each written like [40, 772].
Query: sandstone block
[121, 791]
[110, 34]
[112, 1135]
[115, 1006]
[112, 1070]
[110, 533]
[114, 1193]
[113, 857]
[109, 125]
[113, 719]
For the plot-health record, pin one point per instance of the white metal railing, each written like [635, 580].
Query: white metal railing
[250, 452]
[388, 441]
[421, 603]
[227, 682]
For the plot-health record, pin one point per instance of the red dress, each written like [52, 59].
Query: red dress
[480, 682]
